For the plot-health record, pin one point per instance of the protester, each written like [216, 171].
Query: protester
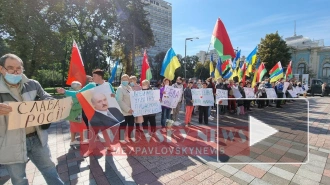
[176, 110]
[189, 103]
[240, 102]
[231, 103]
[16, 146]
[261, 93]
[203, 111]
[279, 91]
[268, 85]
[151, 118]
[136, 87]
[210, 85]
[247, 103]
[124, 101]
[323, 88]
[166, 111]
[75, 117]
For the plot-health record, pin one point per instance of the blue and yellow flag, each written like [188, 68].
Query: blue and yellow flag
[236, 59]
[170, 64]
[251, 59]
[218, 72]
[211, 67]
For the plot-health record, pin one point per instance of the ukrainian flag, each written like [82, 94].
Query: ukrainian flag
[170, 64]
[251, 59]
[211, 67]
[218, 72]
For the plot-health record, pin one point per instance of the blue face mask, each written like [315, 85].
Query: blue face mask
[12, 78]
[132, 84]
[124, 83]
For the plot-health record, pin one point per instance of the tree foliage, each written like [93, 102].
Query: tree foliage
[191, 62]
[156, 65]
[41, 32]
[273, 49]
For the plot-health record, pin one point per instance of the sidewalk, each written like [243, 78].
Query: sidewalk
[176, 170]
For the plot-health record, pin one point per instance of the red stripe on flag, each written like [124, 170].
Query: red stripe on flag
[76, 69]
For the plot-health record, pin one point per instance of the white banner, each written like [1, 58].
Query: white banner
[271, 94]
[249, 93]
[171, 97]
[203, 97]
[145, 102]
[236, 92]
[222, 95]
[286, 85]
[292, 93]
[295, 92]
[35, 113]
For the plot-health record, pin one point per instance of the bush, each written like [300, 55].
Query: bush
[45, 77]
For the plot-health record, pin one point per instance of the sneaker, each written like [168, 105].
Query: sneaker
[122, 141]
[133, 139]
[210, 118]
[75, 142]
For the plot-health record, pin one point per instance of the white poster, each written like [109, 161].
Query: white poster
[145, 102]
[223, 96]
[171, 97]
[286, 85]
[296, 76]
[271, 94]
[292, 93]
[295, 92]
[236, 92]
[249, 93]
[203, 97]
[305, 79]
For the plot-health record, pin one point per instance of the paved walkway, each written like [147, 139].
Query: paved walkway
[74, 169]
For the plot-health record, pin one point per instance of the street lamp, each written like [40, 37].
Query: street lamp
[185, 54]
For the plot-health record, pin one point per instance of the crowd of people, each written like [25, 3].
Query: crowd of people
[31, 142]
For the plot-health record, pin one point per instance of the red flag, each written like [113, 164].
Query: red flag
[145, 71]
[76, 70]
[288, 73]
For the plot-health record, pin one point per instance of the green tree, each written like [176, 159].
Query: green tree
[190, 66]
[273, 49]
[156, 65]
[202, 71]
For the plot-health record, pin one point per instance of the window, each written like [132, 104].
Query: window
[326, 70]
[301, 68]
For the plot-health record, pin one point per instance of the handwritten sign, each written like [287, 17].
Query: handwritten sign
[286, 85]
[203, 97]
[171, 97]
[223, 96]
[236, 92]
[36, 113]
[249, 93]
[271, 94]
[145, 102]
[292, 93]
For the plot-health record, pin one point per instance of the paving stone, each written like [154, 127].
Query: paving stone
[281, 173]
[224, 180]
[141, 177]
[187, 176]
[325, 180]
[200, 177]
[175, 181]
[254, 171]
[309, 174]
[229, 169]
[191, 182]
[288, 167]
[200, 169]
[215, 177]
[274, 179]
[303, 181]
[257, 181]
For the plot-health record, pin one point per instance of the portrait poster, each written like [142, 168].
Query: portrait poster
[100, 108]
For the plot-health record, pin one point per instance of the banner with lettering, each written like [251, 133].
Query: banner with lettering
[36, 113]
[203, 97]
[145, 102]
[171, 97]
[286, 85]
[249, 92]
[305, 78]
[292, 93]
[271, 94]
[236, 92]
[222, 95]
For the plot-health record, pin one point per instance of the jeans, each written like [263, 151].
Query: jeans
[166, 113]
[40, 156]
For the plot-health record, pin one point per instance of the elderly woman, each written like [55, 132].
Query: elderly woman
[124, 101]
[151, 118]
[75, 117]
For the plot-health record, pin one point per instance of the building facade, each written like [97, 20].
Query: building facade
[160, 19]
[309, 56]
[203, 56]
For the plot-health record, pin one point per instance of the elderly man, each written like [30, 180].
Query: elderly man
[16, 146]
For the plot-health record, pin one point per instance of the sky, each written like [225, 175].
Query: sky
[247, 21]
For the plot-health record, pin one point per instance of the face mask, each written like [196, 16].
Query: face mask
[132, 84]
[179, 83]
[12, 78]
[144, 87]
[124, 83]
